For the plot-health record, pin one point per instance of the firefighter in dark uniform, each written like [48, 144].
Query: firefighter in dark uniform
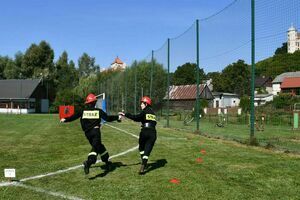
[147, 136]
[90, 118]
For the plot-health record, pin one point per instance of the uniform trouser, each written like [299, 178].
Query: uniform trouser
[146, 142]
[94, 137]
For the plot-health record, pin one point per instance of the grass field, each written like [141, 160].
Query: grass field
[280, 138]
[203, 168]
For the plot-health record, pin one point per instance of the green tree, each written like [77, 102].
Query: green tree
[278, 64]
[67, 97]
[186, 74]
[282, 50]
[13, 67]
[282, 100]
[236, 78]
[217, 81]
[67, 75]
[4, 61]
[38, 61]
[245, 103]
[87, 84]
[87, 66]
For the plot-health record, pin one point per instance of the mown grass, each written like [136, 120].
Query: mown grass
[281, 138]
[38, 144]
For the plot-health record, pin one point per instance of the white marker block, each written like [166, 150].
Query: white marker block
[10, 173]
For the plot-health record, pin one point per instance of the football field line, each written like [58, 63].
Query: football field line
[133, 135]
[57, 194]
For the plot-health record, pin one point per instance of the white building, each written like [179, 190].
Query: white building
[225, 100]
[261, 99]
[293, 43]
[118, 64]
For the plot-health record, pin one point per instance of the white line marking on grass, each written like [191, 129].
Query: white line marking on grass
[19, 184]
[2, 184]
[122, 130]
[123, 153]
[56, 194]
[172, 138]
[72, 168]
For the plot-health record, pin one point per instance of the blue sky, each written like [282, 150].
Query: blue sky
[102, 28]
[130, 29]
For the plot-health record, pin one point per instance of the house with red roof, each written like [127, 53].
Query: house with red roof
[118, 64]
[291, 85]
[277, 82]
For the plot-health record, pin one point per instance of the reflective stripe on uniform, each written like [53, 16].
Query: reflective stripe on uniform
[145, 157]
[150, 117]
[90, 114]
[142, 152]
[105, 152]
[92, 154]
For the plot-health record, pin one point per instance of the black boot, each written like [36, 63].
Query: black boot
[142, 170]
[86, 167]
[108, 166]
[143, 166]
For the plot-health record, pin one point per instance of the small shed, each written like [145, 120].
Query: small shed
[225, 100]
[261, 99]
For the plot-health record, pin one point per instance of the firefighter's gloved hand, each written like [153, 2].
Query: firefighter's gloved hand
[120, 118]
[122, 114]
[62, 120]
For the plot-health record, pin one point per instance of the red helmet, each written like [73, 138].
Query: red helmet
[90, 98]
[146, 100]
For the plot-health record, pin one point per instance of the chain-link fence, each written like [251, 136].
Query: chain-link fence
[202, 79]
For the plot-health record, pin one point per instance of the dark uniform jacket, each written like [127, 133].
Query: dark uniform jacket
[91, 117]
[146, 117]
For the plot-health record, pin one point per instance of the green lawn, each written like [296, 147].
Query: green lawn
[38, 144]
[281, 138]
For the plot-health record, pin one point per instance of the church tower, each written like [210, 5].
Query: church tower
[293, 43]
[118, 64]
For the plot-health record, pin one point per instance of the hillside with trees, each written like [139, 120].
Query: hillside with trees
[279, 63]
[69, 82]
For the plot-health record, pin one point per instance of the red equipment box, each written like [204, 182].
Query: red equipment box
[66, 111]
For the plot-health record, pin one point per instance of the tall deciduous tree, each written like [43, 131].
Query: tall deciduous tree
[279, 64]
[13, 67]
[187, 74]
[3, 63]
[236, 77]
[87, 66]
[38, 61]
[217, 81]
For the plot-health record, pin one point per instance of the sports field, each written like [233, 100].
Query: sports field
[48, 155]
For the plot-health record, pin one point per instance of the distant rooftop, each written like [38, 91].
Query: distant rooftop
[280, 77]
[188, 92]
[291, 82]
[17, 88]
[118, 61]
